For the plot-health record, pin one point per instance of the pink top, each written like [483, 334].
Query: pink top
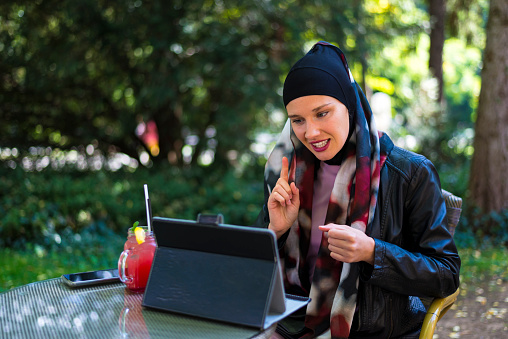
[323, 186]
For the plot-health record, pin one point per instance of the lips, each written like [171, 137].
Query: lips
[320, 146]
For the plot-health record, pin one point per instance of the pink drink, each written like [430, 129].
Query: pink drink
[135, 261]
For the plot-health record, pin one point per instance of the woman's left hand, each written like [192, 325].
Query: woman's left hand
[348, 244]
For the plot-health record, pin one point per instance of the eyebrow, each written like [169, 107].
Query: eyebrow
[313, 110]
[320, 107]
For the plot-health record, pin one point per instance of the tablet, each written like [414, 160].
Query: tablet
[217, 271]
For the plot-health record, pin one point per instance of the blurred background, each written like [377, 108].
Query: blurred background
[100, 97]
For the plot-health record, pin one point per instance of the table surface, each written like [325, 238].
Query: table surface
[51, 309]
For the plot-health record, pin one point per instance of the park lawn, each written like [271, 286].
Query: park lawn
[483, 264]
[22, 267]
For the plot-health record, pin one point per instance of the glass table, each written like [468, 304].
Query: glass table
[51, 309]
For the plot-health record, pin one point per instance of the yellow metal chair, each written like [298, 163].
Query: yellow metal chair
[440, 306]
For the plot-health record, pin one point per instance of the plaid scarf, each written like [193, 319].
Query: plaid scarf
[334, 286]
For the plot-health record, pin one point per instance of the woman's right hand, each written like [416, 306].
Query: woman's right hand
[283, 203]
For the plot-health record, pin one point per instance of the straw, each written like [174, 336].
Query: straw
[148, 209]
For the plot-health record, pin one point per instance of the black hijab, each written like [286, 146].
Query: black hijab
[321, 72]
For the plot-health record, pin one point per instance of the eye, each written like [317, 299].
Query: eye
[322, 114]
[296, 121]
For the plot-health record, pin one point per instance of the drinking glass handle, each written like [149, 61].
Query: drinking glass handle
[122, 261]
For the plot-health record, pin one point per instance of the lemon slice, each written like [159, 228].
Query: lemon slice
[140, 235]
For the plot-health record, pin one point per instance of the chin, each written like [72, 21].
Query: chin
[322, 157]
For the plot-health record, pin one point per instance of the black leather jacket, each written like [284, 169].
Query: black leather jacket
[415, 255]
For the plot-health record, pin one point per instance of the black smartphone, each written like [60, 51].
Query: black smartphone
[91, 278]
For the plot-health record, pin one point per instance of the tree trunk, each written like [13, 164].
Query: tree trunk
[437, 13]
[488, 184]
[170, 134]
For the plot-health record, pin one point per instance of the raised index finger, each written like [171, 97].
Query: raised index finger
[284, 173]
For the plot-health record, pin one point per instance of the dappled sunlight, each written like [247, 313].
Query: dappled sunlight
[40, 158]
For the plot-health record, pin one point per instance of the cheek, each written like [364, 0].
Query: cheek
[299, 132]
[342, 129]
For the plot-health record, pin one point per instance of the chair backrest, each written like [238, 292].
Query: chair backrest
[453, 209]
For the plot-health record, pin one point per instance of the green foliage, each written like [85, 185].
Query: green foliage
[136, 223]
[466, 19]
[483, 229]
[47, 207]
[89, 251]
[75, 73]
[445, 136]
[209, 73]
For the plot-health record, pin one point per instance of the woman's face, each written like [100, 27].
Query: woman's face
[321, 123]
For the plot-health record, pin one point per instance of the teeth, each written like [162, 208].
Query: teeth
[320, 144]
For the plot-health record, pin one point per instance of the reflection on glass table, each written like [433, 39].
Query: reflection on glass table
[51, 309]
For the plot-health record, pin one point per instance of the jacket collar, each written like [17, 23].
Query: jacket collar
[386, 144]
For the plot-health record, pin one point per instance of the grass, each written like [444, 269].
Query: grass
[483, 264]
[36, 263]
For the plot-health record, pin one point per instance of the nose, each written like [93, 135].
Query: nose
[312, 130]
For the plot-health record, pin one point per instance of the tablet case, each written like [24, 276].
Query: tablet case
[219, 272]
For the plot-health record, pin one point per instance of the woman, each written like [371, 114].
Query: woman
[360, 222]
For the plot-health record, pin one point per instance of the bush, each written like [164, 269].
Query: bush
[482, 230]
[46, 207]
[93, 249]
